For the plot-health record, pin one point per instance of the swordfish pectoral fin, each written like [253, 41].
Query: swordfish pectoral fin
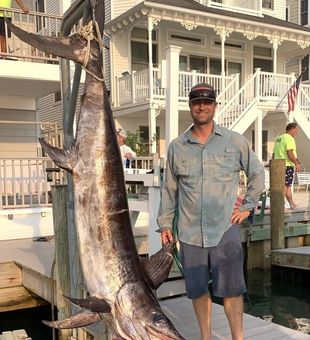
[65, 159]
[73, 47]
[92, 303]
[81, 319]
[158, 265]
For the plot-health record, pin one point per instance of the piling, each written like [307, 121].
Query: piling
[277, 188]
[62, 267]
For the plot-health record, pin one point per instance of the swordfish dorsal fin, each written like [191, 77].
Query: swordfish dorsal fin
[92, 303]
[81, 319]
[73, 47]
[65, 159]
[158, 265]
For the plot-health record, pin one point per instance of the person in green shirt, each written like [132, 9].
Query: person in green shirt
[7, 4]
[285, 148]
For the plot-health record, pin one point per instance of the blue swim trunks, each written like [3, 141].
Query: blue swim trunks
[289, 176]
[223, 264]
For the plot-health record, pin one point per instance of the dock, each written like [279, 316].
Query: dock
[31, 262]
[298, 257]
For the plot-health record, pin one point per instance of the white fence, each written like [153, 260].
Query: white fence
[27, 182]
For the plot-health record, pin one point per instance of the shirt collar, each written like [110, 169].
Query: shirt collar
[188, 135]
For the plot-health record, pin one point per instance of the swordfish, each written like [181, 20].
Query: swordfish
[119, 284]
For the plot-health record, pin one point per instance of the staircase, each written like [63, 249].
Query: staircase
[263, 92]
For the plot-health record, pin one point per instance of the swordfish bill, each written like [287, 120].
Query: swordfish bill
[120, 285]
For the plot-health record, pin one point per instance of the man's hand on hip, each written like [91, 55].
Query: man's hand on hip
[238, 216]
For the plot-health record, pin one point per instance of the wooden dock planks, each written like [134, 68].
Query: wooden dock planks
[298, 258]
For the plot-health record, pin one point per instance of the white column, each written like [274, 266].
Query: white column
[223, 33]
[172, 95]
[276, 42]
[259, 135]
[152, 130]
[150, 49]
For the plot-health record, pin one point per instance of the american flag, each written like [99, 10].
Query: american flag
[292, 94]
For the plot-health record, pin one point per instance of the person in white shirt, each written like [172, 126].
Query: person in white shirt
[128, 155]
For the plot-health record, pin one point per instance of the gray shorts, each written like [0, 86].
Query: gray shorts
[223, 264]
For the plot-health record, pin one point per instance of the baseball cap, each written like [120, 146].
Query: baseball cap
[121, 132]
[202, 91]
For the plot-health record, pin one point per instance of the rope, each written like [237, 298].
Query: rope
[87, 32]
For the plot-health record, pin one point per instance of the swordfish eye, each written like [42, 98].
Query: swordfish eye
[158, 319]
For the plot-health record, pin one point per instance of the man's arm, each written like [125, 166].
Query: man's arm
[255, 173]
[293, 159]
[129, 153]
[168, 202]
[22, 6]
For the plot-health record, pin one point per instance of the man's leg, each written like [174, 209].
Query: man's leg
[289, 196]
[233, 307]
[203, 308]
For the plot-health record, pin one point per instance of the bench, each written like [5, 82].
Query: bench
[303, 178]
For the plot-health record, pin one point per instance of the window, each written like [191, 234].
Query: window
[186, 38]
[264, 144]
[304, 12]
[198, 63]
[305, 67]
[262, 58]
[139, 49]
[229, 45]
[57, 97]
[268, 4]
[40, 21]
[215, 66]
[287, 11]
[183, 63]
[190, 63]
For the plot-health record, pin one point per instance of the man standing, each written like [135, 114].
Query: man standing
[285, 148]
[201, 184]
[128, 155]
[8, 15]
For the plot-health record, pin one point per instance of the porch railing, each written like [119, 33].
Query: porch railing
[26, 182]
[188, 79]
[261, 87]
[32, 22]
[134, 87]
[304, 100]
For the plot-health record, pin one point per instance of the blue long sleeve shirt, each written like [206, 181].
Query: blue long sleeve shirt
[201, 184]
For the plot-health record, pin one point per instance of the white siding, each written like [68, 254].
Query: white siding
[120, 6]
[278, 10]
[107, 11]
[107, 63]
[17, 140]
[121, 54]
[53, 7]
[292, 66]
[293, 12]
[49, 111]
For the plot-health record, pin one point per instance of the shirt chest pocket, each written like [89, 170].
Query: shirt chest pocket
[188, 172]
[224, 167]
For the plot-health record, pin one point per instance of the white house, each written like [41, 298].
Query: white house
[248, 50]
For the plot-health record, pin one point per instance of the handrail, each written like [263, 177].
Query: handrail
[236, 106]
